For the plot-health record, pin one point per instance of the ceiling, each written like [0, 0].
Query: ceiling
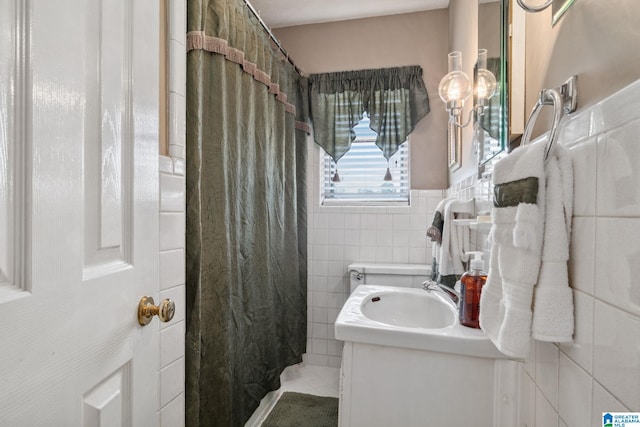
[286, 13]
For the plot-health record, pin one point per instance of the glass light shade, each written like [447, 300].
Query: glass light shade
[482, 59]
[485, 80]
[485, 84]
[456, 85]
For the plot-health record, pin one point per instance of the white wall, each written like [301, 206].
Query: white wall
[570, 385]
[172, 285]
[597, 41]
[172, 227]
[418, 38]
[339, 236]
[463, 37]
[567, 385]
[601, 370]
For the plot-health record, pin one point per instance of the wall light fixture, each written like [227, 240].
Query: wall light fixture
[456, 87]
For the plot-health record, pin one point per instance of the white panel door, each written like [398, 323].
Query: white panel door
[78, 212]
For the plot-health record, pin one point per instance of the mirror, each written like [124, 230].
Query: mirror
[559, 7]
[490, 129]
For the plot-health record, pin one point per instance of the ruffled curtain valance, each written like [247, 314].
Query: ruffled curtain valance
[394, 98]
[229, 29]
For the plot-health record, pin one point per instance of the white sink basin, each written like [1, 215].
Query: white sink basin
[409, 318]
[409, 309]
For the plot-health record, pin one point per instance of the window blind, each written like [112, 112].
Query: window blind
[362, 171]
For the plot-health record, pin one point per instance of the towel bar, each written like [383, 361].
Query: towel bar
[564, 99]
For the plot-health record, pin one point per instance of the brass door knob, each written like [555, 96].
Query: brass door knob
[147, 309]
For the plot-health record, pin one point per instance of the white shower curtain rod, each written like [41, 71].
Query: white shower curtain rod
[272, 36]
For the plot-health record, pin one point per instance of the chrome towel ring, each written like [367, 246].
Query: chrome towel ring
[535, 9]
[564, 99]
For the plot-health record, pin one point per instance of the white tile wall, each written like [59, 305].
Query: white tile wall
[172, 269]
[172, 285]
[171, 381]
[172, 414]
[172, 227]
[339, 236]
[547, 367]
[172, 194]
[574, 392]
[573, 384]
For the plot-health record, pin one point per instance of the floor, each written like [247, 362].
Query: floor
[302, 378]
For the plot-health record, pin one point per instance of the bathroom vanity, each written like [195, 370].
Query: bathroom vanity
[416, 370]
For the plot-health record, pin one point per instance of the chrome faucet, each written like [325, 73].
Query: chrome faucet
[453, 295]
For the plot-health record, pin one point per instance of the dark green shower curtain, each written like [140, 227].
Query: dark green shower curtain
[246, 214]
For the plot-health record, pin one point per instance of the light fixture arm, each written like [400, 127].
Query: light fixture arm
[455, 120]
[534, 9]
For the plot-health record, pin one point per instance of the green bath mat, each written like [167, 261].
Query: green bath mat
[303, 410]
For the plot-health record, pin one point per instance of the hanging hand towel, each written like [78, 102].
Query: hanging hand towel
[516, 239]
[452, 252]
[553, 299]
[434, 232]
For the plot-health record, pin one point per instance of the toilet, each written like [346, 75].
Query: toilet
[402, 275]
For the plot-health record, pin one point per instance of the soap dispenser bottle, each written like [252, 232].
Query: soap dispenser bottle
[471, 284]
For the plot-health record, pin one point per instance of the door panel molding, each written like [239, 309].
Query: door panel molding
[15, 149]
[109, 140]
[62, 344]
[109, 402]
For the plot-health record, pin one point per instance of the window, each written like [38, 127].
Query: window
[362, 173]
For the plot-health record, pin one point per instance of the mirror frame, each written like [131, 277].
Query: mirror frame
[559, 8]
[505, 76]
[504, 83]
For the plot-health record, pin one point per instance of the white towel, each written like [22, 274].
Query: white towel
[455, 240]
[519, 233]
[434, 232]
[516, 238]
[553, 299]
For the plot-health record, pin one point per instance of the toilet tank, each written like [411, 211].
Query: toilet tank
[403, 275]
